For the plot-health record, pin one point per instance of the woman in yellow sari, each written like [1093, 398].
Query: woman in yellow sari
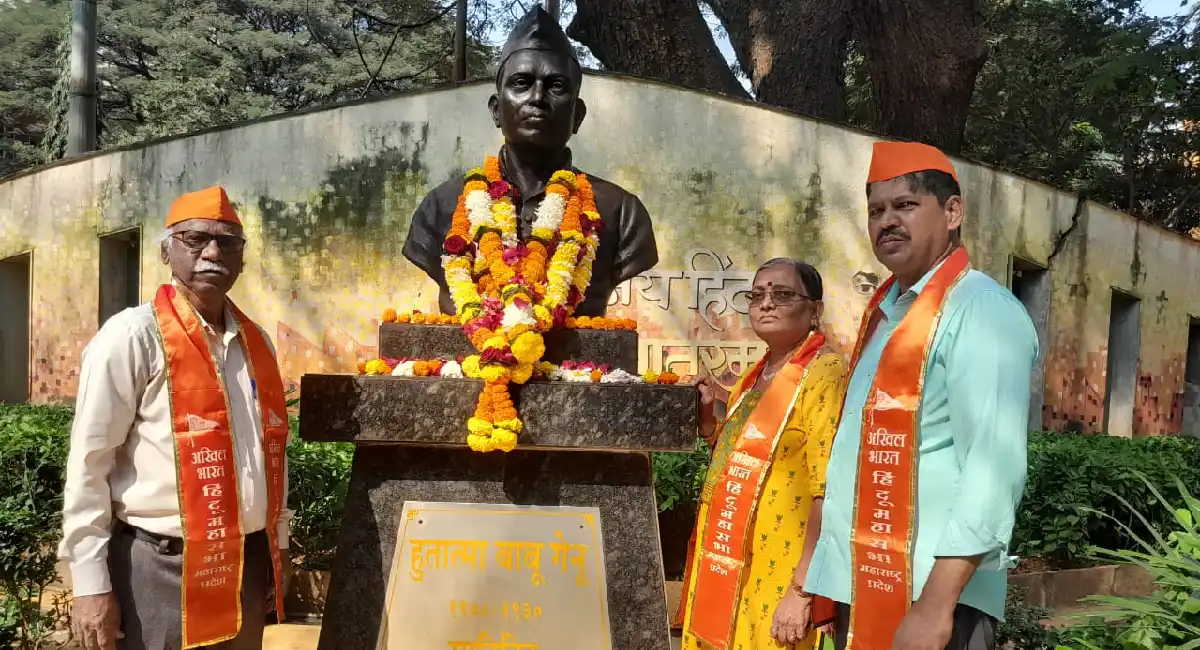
[760, 509]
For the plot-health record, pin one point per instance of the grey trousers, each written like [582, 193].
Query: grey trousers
[147, 578]
[973, 630]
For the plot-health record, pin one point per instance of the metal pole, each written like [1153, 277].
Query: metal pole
[554, 9]
[460, 43]
[81, 115]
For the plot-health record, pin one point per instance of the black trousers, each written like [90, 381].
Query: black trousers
[973, 630]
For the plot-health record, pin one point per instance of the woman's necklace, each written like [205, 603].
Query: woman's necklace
[767, 376]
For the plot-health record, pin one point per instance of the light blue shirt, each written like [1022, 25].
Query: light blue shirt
[973, 427]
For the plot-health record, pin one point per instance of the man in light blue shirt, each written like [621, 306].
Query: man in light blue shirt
[971, 424]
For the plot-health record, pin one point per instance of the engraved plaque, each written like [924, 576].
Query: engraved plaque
[472, 576]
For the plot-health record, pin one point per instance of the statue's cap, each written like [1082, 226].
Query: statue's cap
[537, 30]
[211, 203]
[894, 159]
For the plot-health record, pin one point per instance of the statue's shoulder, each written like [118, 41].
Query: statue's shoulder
[447, 191]
[609, 195]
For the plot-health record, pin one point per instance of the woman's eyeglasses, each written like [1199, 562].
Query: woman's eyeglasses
[778, 297]
[198, 241]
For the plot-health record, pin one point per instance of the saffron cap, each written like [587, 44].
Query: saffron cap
[894, 159]
[211, 203]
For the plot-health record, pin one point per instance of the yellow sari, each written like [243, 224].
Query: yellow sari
[796, 476]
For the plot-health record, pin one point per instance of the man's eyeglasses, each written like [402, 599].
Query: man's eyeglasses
[778, 297]
[198, 241]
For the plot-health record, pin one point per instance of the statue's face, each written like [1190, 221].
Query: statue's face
[537, 103]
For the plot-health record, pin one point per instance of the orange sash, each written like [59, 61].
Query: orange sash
[885, 503]
[210, 509]
[723, 552]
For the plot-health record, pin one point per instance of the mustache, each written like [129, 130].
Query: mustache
[208, 265]
[894, 231]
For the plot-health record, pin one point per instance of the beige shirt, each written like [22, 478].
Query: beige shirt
[122, 458]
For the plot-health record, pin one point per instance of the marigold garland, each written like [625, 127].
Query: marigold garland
[507, 292]
[581, 323]
[495, 403]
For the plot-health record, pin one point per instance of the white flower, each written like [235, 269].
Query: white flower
[404, 369]
[479, 209]
[577, 376]
[514, 315]
[451, 369]
[619, 376]
[549, 213]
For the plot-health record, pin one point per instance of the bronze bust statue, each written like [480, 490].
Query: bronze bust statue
[538, 108]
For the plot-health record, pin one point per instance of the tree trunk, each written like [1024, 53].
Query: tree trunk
[924, 56]
[666, 40]
[794, 51]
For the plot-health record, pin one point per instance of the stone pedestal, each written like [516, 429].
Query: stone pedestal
[583, 445]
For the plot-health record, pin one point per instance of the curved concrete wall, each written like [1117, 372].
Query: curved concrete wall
[327, 195]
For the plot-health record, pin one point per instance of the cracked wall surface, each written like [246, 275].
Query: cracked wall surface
[326, 197]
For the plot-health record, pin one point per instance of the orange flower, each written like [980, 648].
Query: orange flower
[668, 378]
[501, 401]
[571, 323]
[534, 265]
[583, 189]
[596, 375]
[483, 408]
[571, 216]
[479, 337]
[421, 369]
[475, 186]
[491, 168]
[583, 322]
[418, 318]
[558, 188]
[362, 367]
[502, 273]
[404, 318]
[389, 315]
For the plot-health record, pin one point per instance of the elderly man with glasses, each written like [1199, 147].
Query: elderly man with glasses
[174, 515]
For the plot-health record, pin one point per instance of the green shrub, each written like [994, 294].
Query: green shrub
[318, 479]
[318, 475]
[678, 477]
[33, 453]
[1170, 618]
[1022, 628]
[1074, 477]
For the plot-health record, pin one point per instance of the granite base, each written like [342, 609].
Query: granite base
[385, 476]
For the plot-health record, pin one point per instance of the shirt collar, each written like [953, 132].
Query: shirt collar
[231, 326]
[894, 301]
[567, 164]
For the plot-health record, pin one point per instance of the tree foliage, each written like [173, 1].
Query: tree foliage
[1094, 96]
[167, 67]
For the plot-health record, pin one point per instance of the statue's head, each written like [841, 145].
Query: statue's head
[537, 103]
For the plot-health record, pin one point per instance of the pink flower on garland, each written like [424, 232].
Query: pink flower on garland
[499, 189]
[514, 255]
[498, 355]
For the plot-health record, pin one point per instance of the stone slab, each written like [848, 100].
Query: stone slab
[618, 348]
[385, 476]
[1066, 588]
[557, 415]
